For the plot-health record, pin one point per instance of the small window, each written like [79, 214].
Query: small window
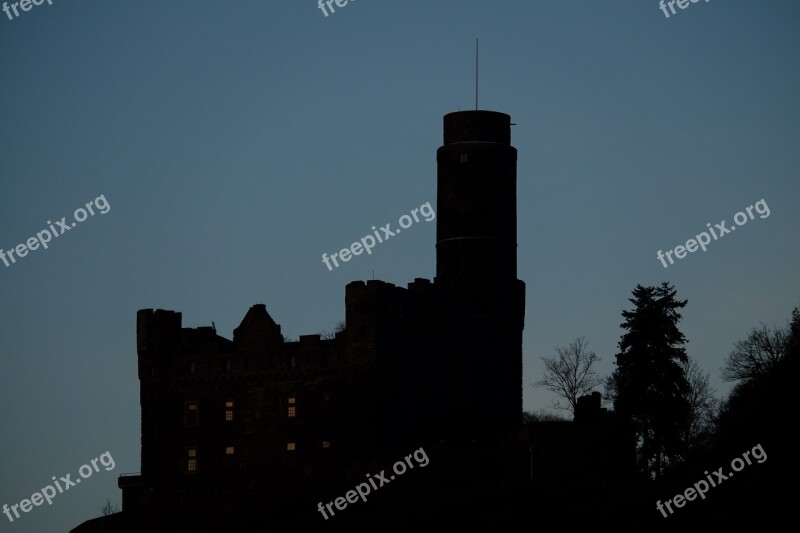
[292, 362]
[290, 446]
[192, 367]
[229, 411]
[227, 365]
[292, 411]
[326, 397]
[326, 444]
[463, 158]
[191, 460]
[191, 414]
[229, 450]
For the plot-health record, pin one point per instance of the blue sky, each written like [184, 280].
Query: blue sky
[236, 142]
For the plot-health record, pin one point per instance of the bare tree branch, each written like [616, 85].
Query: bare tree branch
[109, 509]
[757, 355]
[703, 404]
[571, 374]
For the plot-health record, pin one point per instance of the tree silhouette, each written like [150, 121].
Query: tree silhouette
[108, 509]
[703, 405]
[570, 374]
[530, 417]
[758, 355]
[793, 346]
[338, 328]
[649, 385]
[761, 403]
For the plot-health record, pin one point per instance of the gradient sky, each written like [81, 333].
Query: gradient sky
[238, 141]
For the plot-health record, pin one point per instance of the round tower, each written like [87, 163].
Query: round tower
[476, 215]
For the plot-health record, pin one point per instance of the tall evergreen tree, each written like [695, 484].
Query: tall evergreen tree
[649, 384]
[793, 353]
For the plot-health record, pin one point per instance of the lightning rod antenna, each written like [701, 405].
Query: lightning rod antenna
[476, 74]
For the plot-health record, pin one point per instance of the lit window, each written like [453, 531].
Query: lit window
[191, 414]
[229, 450]
[290, 446]
[292, 400]
[191, 460]
[463, 158]
[292, 410]
[229, 411]
[326, 444]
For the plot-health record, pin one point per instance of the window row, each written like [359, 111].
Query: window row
[190, 463]
[191, 368]
[192, 412]
[191, 458]
[191, 415]
[292, 446]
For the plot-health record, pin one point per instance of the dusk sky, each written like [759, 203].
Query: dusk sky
[235, 142]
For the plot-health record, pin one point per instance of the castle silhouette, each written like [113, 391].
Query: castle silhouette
[236, 432]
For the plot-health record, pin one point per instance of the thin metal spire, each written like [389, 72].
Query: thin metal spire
[476, 74]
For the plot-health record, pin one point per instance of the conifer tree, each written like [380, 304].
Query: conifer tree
[649, 384]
